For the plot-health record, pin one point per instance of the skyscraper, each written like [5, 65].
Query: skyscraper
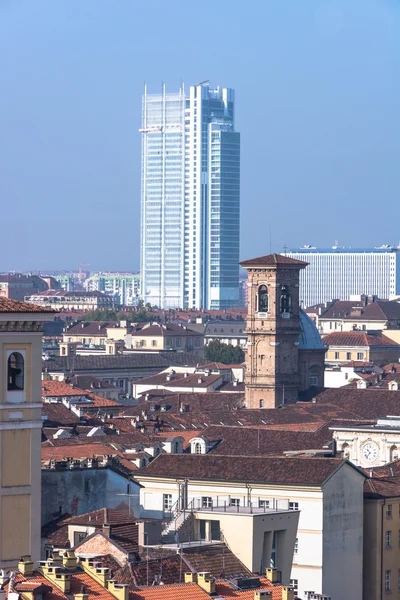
[190, 199]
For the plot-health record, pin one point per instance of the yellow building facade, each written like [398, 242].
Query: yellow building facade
[381, 569]
[20, 429]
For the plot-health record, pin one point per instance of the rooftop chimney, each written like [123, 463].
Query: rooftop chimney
[25, 565]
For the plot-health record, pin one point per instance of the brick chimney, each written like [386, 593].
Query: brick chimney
[107, 529]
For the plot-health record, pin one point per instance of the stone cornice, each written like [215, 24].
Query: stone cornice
[21, 326]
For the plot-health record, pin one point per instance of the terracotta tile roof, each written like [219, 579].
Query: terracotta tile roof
[126, 536]
[97, 518]
[358, 364]
[224, 590]
[92, 328]
[217, 559]
[357, 338]
[212, 467]
[77, 451]
[169, 570]
[100, 401]
[128, 464]
[250, 441]
[186, 435]
[58, 414]
[93, 589]
[372, 403]
[271, 260]
[38, 579]
[56, 532]
[108, 561]
[89, 383]
[383, 487]
[51, 387]
[183, 591]
[379, 310]
[392, 367]
[15, 306]
[387, 471]
[134, 360]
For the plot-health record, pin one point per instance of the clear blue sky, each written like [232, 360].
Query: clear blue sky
[318, 96]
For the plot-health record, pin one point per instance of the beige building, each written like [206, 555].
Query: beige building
[362, 313]
[360, 346]
[381, 568]
[95, 333]
[155, 337]
[249, 499]
[20, 429]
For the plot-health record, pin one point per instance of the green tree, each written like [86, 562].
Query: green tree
[99, 315]
[216, 351]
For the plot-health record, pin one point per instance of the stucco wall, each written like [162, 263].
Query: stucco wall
[82, 490]
[343, 535]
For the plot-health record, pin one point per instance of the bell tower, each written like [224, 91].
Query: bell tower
[273, 329]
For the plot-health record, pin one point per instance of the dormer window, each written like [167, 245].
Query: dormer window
[262, 299]
[15, 372]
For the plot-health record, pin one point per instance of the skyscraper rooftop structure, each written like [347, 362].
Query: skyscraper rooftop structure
[339, 273]
[190, 199]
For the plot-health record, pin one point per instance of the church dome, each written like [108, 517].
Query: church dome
[309, 339]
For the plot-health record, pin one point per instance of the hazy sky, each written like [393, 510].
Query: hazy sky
[318, 96]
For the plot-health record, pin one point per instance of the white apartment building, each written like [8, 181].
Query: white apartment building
[124, 286]
[190, 199]
[328, 553]
[339, 273]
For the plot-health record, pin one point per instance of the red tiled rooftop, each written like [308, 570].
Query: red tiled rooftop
[224, 590]
[272, 260]
[51, 387]
[99, 517]
[357, 338]
[15, 306]
[180, 591]
[212, 467]
[80, 451]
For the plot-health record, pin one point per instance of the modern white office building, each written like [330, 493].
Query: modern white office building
[190, 199]
[339, 273]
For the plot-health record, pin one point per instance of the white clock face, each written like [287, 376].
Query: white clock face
[370, 452]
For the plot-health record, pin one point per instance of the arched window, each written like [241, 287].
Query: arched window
[176, 447]
[263, 299]
[394, 453]
[197, 448]
[346, 450]
[286, 300]
[15, 372]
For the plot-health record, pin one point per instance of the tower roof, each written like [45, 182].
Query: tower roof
[273, 260]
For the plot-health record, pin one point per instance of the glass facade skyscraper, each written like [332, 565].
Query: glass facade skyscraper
[190, 199]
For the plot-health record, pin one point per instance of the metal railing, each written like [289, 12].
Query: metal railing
[244, 504]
